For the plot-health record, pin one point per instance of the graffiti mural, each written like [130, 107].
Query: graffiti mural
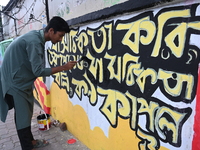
[127, 62]
[42, 94]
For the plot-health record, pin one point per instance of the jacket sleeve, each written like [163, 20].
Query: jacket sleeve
[36, 57]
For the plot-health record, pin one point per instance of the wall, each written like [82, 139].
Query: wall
[31, 15]
[72, 9]
[25, 16]
[138, 87]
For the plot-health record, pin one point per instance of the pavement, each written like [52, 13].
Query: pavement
[58, 139]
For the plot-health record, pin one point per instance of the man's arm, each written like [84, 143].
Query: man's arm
[65, 67]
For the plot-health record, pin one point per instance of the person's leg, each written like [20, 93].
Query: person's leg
[27, 141]
[26, 138]
[23, 115]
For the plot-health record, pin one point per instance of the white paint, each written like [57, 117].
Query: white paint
[95, 117]
[4, 2]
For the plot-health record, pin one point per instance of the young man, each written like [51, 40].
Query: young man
[23, 62]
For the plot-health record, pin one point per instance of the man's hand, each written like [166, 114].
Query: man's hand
[68, 66]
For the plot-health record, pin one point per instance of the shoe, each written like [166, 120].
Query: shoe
[40, 143]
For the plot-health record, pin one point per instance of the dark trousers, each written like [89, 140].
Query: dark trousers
[25, 134]
[25, 138]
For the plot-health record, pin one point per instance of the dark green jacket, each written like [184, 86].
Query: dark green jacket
[23, 62]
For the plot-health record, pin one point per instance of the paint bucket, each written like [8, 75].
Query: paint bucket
[44, 122]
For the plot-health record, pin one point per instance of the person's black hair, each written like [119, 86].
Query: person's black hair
[58, 24]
